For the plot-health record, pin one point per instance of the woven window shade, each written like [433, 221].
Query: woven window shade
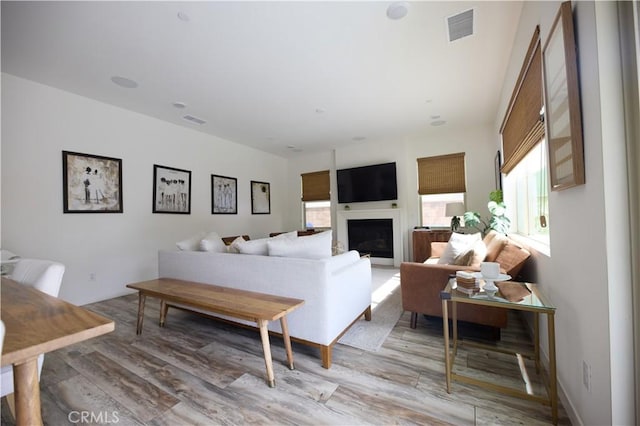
[523, 127]
[315, 186]
[443, 174]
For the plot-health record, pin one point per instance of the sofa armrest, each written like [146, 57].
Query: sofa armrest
[421, 286]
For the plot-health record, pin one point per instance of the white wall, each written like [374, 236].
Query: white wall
[586, 276]
[39, 122]
[477, 142]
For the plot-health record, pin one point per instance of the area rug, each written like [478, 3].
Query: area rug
[386, 306]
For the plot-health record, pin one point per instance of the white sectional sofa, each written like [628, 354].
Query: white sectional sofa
[336, 290]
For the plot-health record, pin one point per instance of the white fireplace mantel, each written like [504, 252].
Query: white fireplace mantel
[393, 214]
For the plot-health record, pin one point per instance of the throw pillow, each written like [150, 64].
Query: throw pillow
[457, 245]
[316, 246]
[494, 247]
[192, 243]
[463, 259]
[233, 247]
[213, 242]
[479, 253]
[290, 234]
[258, 246]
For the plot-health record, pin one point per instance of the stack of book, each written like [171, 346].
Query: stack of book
[466, 282]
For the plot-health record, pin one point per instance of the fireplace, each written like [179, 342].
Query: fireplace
[394, 247]
[371, 236]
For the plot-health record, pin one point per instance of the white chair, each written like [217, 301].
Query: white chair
[43, 275]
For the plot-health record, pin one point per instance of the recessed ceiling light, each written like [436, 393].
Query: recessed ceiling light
[183, 17]
[398, 10]
[124, 82]
[438, 123]
[179, 105]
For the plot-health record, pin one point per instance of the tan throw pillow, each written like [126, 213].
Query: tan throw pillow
[490, 236]
[495, 247]
[464, 259]
[479, 253]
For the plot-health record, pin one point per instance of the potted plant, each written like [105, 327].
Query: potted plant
[497, 221]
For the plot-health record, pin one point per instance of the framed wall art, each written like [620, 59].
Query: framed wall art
[171, 190]
[224, 195]
[91, 183]
[562, 103]
[260, 198]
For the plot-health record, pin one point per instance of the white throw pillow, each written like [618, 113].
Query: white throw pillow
[457, 245]
[290, 234]
[233, 247]
[213, 242]
[258, 246]
[316, 246]
[192, 243]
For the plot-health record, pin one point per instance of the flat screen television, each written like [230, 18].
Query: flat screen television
[368, 183]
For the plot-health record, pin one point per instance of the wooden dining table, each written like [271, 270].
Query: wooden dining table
[37, 323]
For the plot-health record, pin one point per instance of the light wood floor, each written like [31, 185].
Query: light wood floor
[199, 371]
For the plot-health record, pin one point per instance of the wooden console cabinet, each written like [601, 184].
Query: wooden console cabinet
[422, 239]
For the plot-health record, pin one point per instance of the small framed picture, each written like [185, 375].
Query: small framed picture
[171, 190]
[91, 183]
[260, 198]
[224, 195]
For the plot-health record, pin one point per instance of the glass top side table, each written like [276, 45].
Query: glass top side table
[512, 295]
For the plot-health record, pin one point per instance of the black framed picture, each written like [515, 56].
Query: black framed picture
[224, 195]
[260, 197]
[497, 164]
[91, 183]
[171, 190]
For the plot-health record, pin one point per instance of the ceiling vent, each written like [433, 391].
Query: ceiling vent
[194, 119]
[460, 25]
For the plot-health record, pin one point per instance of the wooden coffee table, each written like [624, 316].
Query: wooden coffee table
[246, 305]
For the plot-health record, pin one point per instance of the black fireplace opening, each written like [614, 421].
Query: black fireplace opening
[371, 236]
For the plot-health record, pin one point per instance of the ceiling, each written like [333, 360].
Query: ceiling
[283, 77]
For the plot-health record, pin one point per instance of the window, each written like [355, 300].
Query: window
[441, 180]
[317, 214]
[527, 195]
[316, 206]
[434, 206]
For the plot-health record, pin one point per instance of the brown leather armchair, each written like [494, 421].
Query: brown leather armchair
[421, 284]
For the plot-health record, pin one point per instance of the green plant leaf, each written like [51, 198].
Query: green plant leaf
[471, 218]
[496, 196]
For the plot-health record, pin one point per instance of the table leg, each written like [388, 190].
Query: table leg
[27, 393]
[287, 341]
[141, 300]
[164, 308]
[553, 383]
[447, 360]
[454, 325]
[536, 340]
[266, 347]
